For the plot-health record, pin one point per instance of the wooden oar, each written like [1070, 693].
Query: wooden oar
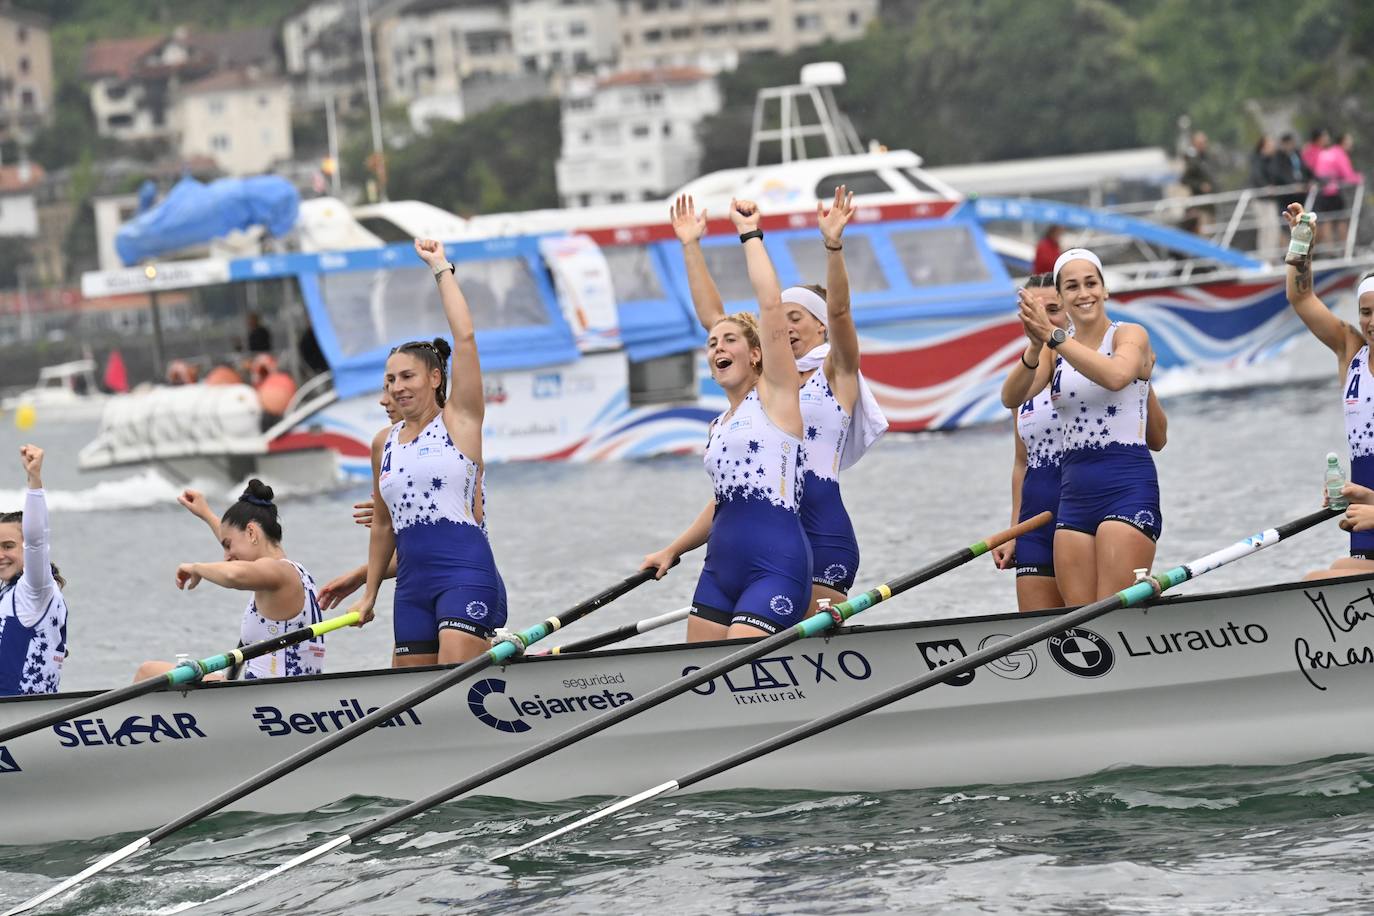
[184, 673]
[811, 626]
[1143, 592]
[616, 635]
[494, 656]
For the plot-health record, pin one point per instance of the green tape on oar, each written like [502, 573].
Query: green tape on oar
[189, 671]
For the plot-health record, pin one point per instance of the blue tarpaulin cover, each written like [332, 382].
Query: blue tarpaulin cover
[193, 213]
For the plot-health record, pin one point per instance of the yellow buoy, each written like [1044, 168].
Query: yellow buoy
[25, 417]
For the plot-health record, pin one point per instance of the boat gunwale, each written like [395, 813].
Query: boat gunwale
[848, 630]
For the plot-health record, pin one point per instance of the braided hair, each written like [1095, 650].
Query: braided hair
[434, 354]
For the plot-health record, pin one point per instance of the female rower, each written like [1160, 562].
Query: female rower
[1035, 472]
[1109, 516]
[1351, 346]
[428, 494]
[283, 593]
[757, 576]
[840, 415]
[33, 614]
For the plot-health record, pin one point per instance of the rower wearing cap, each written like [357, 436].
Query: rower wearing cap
[840, 416]
[1109, 514]
[1351, 346]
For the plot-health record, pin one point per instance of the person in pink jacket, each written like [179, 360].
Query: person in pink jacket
[1334, 172]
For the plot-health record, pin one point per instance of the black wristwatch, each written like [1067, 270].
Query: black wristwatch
[1057, 337]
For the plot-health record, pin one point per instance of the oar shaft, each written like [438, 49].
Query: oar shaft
[181, 674]
[614, 636]
[809, 627]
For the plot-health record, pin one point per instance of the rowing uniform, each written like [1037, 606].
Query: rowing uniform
[33, 614]
[758, 561]
[834, 548]
[1107, 472]
[1037, 423]
[1359, 432]
[292, 661]
[446, 577]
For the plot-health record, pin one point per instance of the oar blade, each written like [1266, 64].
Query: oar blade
[323, 849]
[595, 816]
[114, 858]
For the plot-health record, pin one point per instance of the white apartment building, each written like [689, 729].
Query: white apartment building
[564, 36]
[711, 34]
[632, 136]
[427, 49]
[237, 118]
[322, 52]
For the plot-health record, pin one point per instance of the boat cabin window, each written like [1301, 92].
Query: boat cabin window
[726, 263]
[385, 229]
[667, 378]
[865, 273]
[632, 273]
[939, 256]
[919, 180]
[858, 182]
[368, 308]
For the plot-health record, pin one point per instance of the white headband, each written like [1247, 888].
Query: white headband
[1075, 254]
[800, 295]
[1366, 286]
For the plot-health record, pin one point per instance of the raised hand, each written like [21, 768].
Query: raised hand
[745, 215]
[431, 252]
[689, 225]
[187, 577]
[841, 211]
[32, 458]
[1292, 213]
[195, 503]
[1034, 320]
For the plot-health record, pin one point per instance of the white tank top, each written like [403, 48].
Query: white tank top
[750, 458]
[825, 427]
[32, 652]
[302, 658]
[1094, 417]
[1037, 422]
[428, 479]
[1359, 406]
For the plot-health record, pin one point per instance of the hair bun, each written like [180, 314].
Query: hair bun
[442, 347]
[258, 493]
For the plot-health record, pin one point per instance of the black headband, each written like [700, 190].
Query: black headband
[257, 501]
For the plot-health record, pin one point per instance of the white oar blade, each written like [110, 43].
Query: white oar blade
[593, 817]
[301, 859]
[117, 856]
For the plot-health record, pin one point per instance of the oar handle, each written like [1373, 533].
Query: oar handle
[1020, 528]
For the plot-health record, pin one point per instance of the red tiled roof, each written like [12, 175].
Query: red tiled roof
[117, 57]
[664, 75]
[227, 80]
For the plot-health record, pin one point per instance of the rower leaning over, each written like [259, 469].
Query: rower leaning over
[757, 576]
[33, 613]
[283, 597]
[1351, 346]
[1035, 472]
[1109, 514]
[840, 416]
[428, 494]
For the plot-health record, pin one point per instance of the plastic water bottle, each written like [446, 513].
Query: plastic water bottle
[1335, 479]
[1300, 243]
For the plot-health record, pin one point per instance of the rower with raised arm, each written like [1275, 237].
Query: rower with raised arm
[33, 613]
[1109, 514]
[283, 598]
[1351, 348]
[428, 494]
[840, 416]
[757, 576]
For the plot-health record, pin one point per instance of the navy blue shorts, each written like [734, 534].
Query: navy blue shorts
[1035, 550]
[1113, 484]
[455, 587]
[834, 548]
[758, 568]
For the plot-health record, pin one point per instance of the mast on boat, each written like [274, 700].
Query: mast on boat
[807, 109]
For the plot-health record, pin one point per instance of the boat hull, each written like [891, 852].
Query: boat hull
[1264, 676]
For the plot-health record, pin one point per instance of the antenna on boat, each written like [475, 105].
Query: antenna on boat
[795, 124]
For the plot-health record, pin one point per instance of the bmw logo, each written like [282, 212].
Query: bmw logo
[1082, 653]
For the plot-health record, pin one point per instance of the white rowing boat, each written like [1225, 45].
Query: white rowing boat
[1261, 676]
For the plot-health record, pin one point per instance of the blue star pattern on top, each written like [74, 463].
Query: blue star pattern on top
[427, 480]
[1038, 424]
[769, 468]
[32, 652]
[293, 661]
[1359, 433]
[1094, 417]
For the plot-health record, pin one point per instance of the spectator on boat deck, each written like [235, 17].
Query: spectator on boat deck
[1199, 176]
[1289, 169]
[259, 337]
[1261, 167]
[33, 613]
[757, 576]
[1109, 514]
[1262, 178]
[429, 497]
[283, 597]
[1319, 140]
[1351, 346]
[1047, 250]
[1334, 173]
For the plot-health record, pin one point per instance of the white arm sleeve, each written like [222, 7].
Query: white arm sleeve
[36, 587]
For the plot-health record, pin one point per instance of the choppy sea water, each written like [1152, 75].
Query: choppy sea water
[1292, 839]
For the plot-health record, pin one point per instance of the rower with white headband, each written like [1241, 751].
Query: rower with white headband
[1109, 513]
[840, 416]
[1351, 346]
